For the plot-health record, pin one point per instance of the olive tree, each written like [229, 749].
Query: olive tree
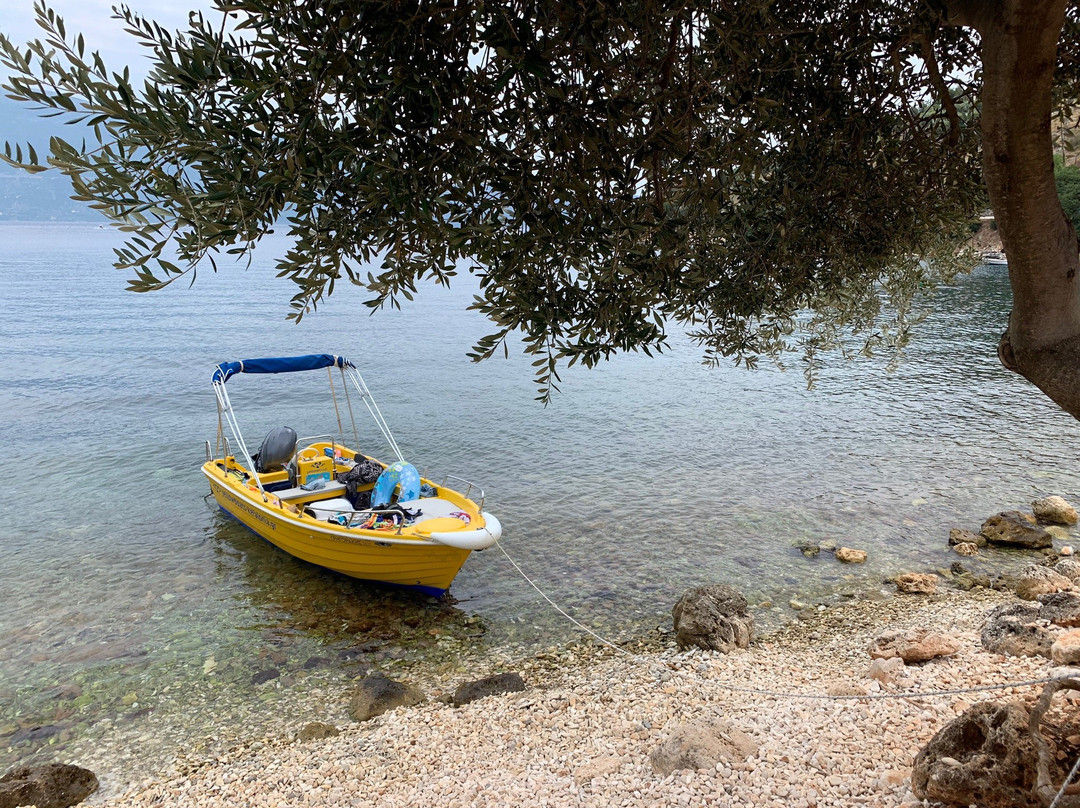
[764, 175]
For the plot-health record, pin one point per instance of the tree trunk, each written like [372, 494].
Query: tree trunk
[1019, 49]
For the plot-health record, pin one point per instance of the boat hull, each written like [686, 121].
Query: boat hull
[414, 563]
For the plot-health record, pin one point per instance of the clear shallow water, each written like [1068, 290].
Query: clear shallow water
[643, 478]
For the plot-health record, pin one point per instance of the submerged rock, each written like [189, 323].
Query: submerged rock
[262, 677]
[1016, 530]
[50, 785]
[849, 555]
[489, 686]
[713, 617]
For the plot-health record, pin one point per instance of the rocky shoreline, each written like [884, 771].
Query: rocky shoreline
[586, 729]
[831, 710]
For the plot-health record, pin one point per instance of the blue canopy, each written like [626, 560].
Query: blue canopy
[280, 364]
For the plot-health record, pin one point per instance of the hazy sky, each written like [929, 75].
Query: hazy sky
[93, 18]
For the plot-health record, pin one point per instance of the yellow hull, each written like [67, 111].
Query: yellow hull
[402, 558]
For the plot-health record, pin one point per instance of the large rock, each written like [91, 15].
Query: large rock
[917, 583]
[1054, 510]
[713, 617]
[1016, 529]
[914, 645]
[489, 686]
[1015, 629]
[1069, 567]
[985, 757]
[1061, 608]
[1035, 580]
[701, 746]
[376, 695]
[50, 785]
[1066, 648]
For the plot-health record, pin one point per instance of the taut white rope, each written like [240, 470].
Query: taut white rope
[779, 694]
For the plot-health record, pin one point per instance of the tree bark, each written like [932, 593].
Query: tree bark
[1019, 50]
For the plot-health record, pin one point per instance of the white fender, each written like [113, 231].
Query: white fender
[478, 539]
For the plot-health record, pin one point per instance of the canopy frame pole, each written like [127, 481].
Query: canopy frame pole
[225, 408]
[369, 401]
[348, 404]
[337, 412]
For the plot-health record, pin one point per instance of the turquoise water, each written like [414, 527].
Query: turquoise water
[643, 478]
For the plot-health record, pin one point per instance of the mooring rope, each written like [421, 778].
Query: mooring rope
[779, 694]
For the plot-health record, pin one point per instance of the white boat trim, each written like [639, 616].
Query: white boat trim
[478, 539]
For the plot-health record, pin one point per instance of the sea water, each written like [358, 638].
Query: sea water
[124, 590]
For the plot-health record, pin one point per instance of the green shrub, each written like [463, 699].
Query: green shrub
[1067, 179]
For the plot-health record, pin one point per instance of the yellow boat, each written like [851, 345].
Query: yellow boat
[326, 503]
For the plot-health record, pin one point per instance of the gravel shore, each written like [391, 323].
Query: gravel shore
[582, 733]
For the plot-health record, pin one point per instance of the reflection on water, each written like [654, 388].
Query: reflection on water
[124, 592]
[364, 622]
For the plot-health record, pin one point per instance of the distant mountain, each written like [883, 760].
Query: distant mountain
[39, 197]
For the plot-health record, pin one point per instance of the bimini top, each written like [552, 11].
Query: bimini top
[280, 364]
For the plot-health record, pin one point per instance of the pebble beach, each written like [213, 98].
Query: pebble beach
[826, 734]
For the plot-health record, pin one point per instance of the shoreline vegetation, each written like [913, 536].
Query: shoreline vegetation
[584, 730]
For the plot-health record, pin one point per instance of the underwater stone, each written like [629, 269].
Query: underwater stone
[265, 676]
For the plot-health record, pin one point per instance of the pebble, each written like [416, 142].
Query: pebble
[582, 734]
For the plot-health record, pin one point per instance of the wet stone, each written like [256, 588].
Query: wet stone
[376, 695]
[960, 536]
[488, 686]
[1016, 529]
[52, 785]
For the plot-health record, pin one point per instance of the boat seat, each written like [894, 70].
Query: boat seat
[297, 494]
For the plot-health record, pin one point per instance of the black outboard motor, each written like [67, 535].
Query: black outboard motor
[277, 449]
